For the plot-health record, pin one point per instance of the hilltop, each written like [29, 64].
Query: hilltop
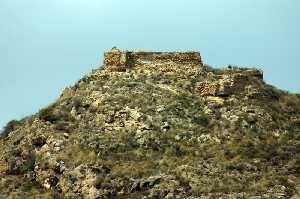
[157, 125]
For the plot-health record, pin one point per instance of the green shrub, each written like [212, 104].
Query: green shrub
[10, 126]
[29, 163]
[51, 115]
[48, 114]
[201, 120]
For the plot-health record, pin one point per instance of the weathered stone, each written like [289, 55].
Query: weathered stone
[3, 167]
[216, 100]
[50, 182]
[250, 72]
[224, 86]
[117, 60]
[207, 88]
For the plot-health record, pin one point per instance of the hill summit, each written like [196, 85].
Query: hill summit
[157, 125]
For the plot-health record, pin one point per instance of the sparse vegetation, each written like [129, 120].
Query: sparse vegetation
[150, 133]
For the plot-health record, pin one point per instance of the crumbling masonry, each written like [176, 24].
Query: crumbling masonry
[227, 81]
[121, 60]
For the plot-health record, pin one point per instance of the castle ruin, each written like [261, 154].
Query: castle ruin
[224, 81]
[122, 60]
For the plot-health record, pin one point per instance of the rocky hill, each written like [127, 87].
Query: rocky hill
[157, 125]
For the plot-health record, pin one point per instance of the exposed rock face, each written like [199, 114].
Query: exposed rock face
[157, 125]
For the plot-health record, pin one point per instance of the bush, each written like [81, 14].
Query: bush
[201, 120]
[10, 126]
[48, 114]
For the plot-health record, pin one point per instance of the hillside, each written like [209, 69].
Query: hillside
[157, 125]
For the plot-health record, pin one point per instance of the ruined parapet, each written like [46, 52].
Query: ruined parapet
[121, 60]
[175, 57]
[116, 60]
[183, 65]
[231, 80]
[250, 72]
[225, 85]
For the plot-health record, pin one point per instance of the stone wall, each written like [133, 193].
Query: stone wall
[226, 84]
[120, 60]
[253, 72]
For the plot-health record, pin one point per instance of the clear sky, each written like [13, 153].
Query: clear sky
[46, 45]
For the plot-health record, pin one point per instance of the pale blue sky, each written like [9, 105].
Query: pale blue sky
[46, 45]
